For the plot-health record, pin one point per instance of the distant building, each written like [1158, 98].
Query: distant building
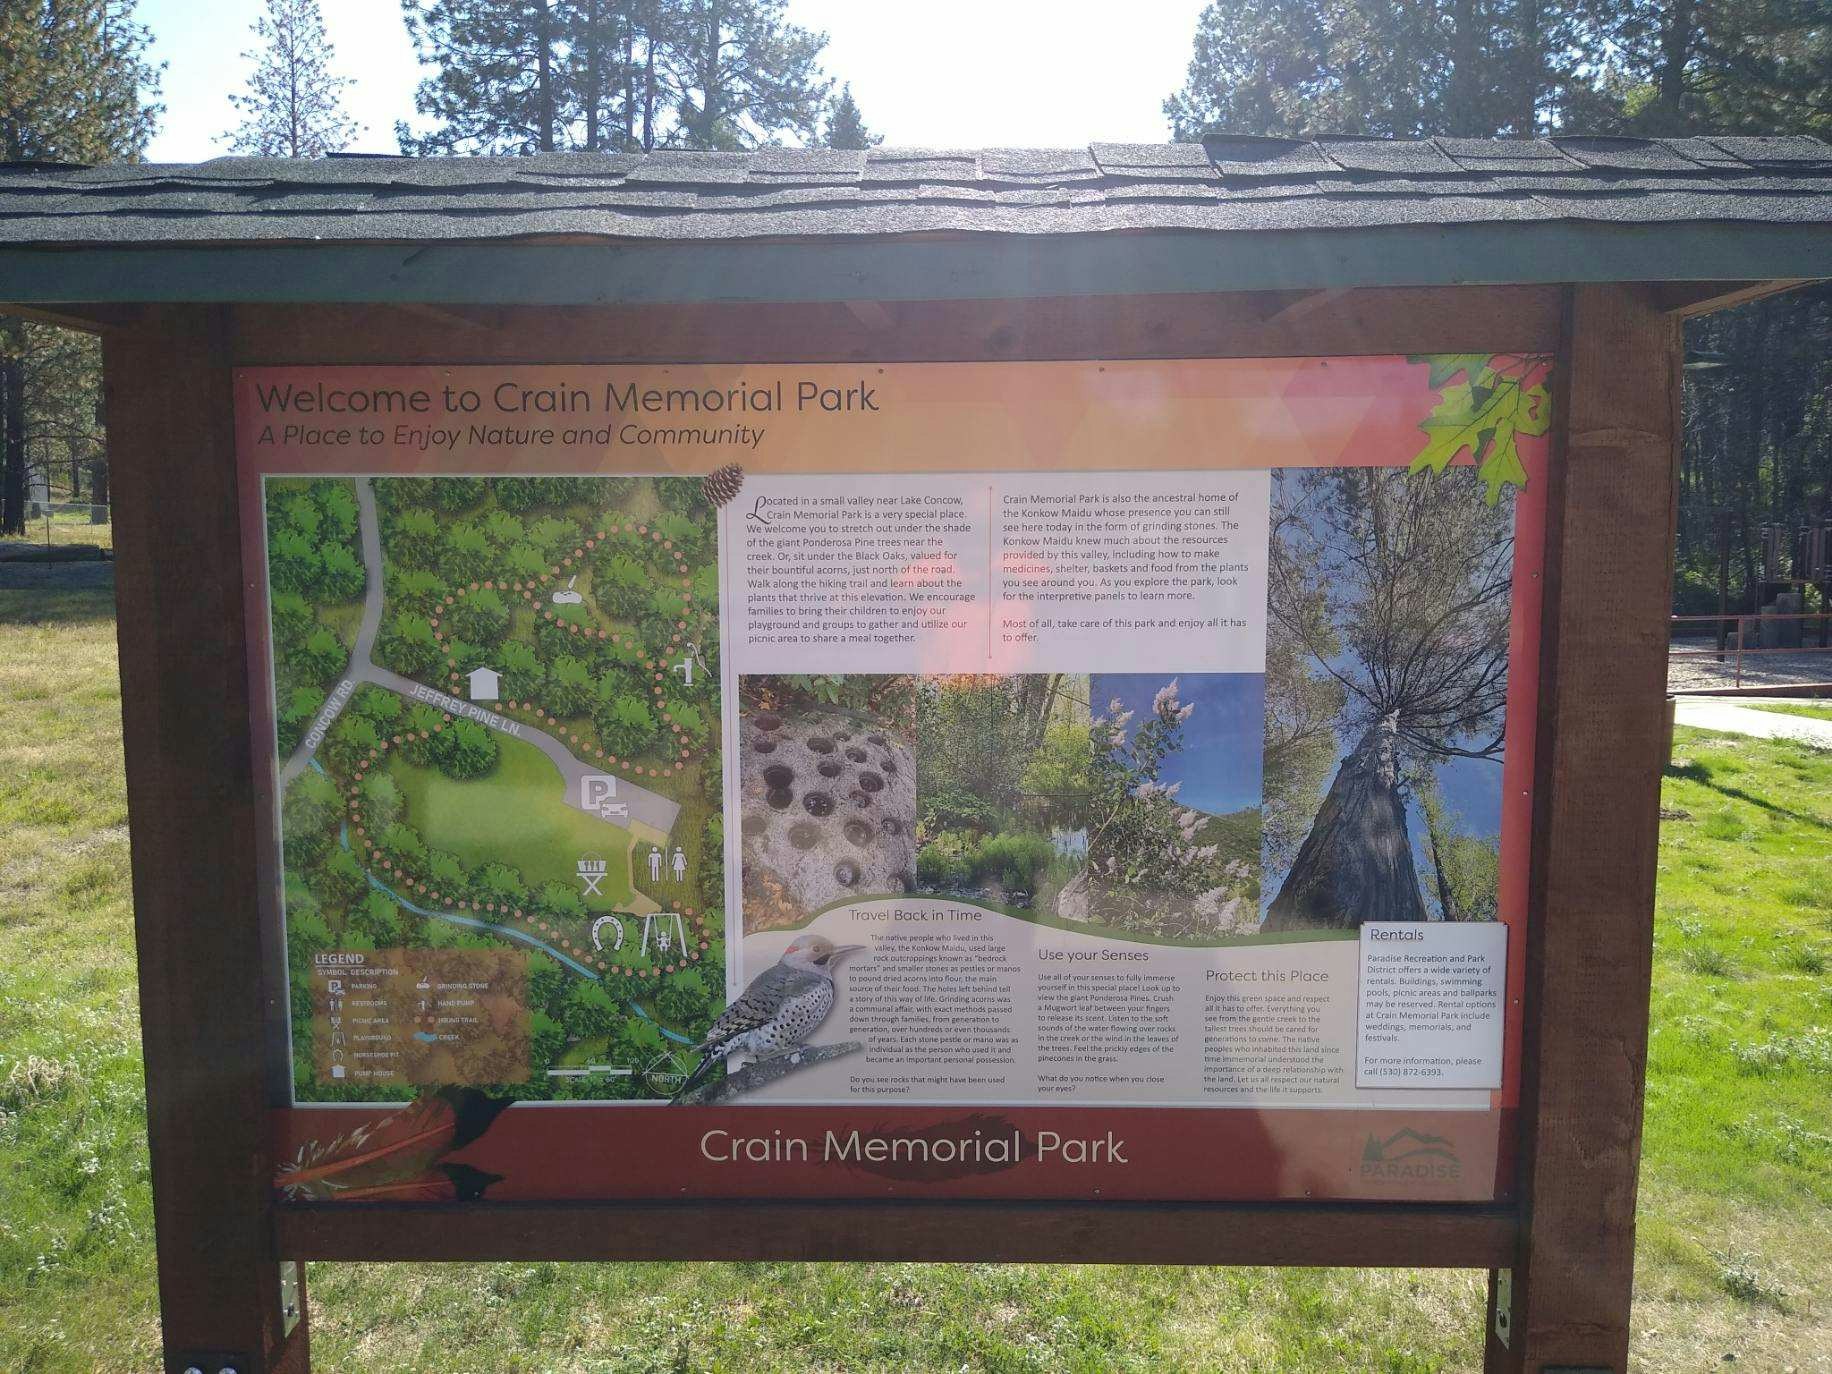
[486, 684]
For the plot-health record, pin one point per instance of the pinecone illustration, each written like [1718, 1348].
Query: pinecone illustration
[722, 484]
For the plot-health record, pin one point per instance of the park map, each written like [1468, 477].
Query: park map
[497, 732]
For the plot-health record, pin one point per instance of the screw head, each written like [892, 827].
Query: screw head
[192, 1369]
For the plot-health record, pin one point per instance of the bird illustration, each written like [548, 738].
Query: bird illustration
[777, 1013]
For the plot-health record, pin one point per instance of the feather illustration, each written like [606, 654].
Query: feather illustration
[443, 1183]
[398, 1151]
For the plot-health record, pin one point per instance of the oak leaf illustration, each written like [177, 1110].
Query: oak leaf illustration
[1501, 398]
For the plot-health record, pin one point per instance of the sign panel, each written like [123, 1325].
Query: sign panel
[1027, 780]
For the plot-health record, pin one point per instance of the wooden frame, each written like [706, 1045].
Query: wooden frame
[1563, 1254]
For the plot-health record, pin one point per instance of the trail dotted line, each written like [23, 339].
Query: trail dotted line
[530, 919]
[529, 589]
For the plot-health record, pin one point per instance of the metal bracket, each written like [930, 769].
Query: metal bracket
[291, 1309]
[1504, 1305]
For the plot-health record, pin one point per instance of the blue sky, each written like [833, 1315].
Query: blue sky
[943, 74]
[1219, 763]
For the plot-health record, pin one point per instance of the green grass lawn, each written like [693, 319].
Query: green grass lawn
[1794, 708]
[517, 816]
[1735, 1239]
[67, 527]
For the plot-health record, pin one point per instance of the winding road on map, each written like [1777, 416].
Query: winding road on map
[645, 807]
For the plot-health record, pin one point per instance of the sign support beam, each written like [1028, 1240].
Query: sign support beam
[1596, 831]
[190, 787]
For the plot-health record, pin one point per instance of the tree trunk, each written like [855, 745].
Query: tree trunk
[12, 429]
[98, 490]
[1447, 904]
[543, 65]
[1675, 49]
[648, 95]
[1465, 78]
[1532, 70]
[1356, 863]
[594, 79]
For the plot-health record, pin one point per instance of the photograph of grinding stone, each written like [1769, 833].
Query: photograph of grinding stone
[827, 797]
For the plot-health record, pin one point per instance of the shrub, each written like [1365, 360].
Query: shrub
[681, 494]
[468, 552]
[503, 528]
[620, 584]
[523, 675]
[626, 725]
[518, 494]
[413, 538]
[569, 689]
[293, 564]
[954, 809]
[409, 646]
[292, 617]
[481, 618]
[343, 577]
[524, 561]
[402, 846]
[337, 503]
[464, 750]
[1013, 860]
[457, 493]
[553, 537]
[939, 869]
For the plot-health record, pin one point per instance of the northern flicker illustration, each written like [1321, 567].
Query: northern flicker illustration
[777, 1013]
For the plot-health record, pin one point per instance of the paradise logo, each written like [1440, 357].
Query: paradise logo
[1411, 1157]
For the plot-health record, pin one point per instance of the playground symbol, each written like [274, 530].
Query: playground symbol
[655, 928]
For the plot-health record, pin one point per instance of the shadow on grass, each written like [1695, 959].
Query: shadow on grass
[72, 606]
[1692, 770]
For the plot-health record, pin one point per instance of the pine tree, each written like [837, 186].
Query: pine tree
[1398, 588]
[501, 79]
[741, 75]
[1476, 68]
[75, 86]
[846, 126]
[293, 105]
[1758, 437]
[521, 76]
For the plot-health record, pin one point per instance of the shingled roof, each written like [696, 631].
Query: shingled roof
[1223, 184]
[1225, 214]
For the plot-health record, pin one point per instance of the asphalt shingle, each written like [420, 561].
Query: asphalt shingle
[1222, 184]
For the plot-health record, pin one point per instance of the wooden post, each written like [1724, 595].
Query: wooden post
[1565, 1303]
[191, 801]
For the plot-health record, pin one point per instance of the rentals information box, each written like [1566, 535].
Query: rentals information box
[1008, 780]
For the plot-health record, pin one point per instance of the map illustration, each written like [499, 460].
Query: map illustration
[497, 733]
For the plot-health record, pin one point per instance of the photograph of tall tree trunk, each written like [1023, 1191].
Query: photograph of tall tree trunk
[1386, 689]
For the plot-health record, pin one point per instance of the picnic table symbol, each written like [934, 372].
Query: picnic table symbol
[591, 872]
